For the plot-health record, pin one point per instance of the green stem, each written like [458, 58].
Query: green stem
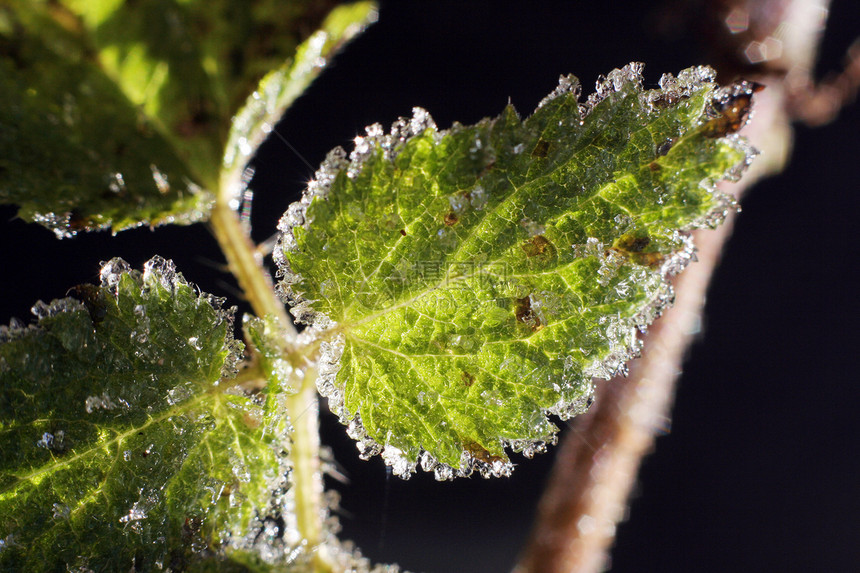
[307, 474]
[247, 266]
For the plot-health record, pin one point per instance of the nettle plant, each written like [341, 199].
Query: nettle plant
[457, 287]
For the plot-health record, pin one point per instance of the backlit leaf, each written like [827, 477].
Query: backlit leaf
[125, 443]
[117, 114]
[467, 283]
[75, 153]
[280, 88]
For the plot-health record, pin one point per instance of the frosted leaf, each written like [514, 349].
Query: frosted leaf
[466, 283]
[280, 88]
[143, 94]
[109, 166]
[139, 445]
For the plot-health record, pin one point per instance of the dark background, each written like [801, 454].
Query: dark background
[760, 469]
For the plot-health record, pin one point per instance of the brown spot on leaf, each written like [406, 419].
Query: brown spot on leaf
[198, 121]
[77, 220]
[191, 526]
[451, 218]
[732, 104]
[468, 379]
[649, 259]
[487, 168]
[632, 243]
[525, 314]
[65, 17]
[539, 247]
[541, 149]
[480, 453]
[633, 247]
[666, 100]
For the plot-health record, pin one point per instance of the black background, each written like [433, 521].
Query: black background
[760, 469]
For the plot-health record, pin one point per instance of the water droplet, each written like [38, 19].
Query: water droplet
[160, 179]
[614, 82]
[111, 272]
[282, 370]
[400, 465]
[458, 202]
[116, 183]
[448, 239]
[53, 442]
[103, 402]
[478, 198]
[443, 472]
[61, 511]
[136, 513]
[6, 542]
[531, 227]
[41, 309]
[492, 397]
[163, 271]
[568, 84]
[244, 146]
[71, 110]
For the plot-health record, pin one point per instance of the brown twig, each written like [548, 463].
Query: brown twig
[600, 458]
[819, 105]
[598, 461]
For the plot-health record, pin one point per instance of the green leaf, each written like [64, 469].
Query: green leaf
[467, 283]
[191, 64]
[124, 443]
[280, 88]
[117, 114]
[75, 153]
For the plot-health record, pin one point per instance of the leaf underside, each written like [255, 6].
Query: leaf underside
[467, 283]
[123, 445]
[118, 114]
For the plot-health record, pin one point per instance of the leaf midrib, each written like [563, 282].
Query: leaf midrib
[118, 438]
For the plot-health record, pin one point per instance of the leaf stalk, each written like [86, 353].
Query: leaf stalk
[246, 265]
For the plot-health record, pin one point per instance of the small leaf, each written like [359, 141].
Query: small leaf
[123, 443]
[280, 88]
[467, 283]
[117, 114]
[190, 64]
[75, 153]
